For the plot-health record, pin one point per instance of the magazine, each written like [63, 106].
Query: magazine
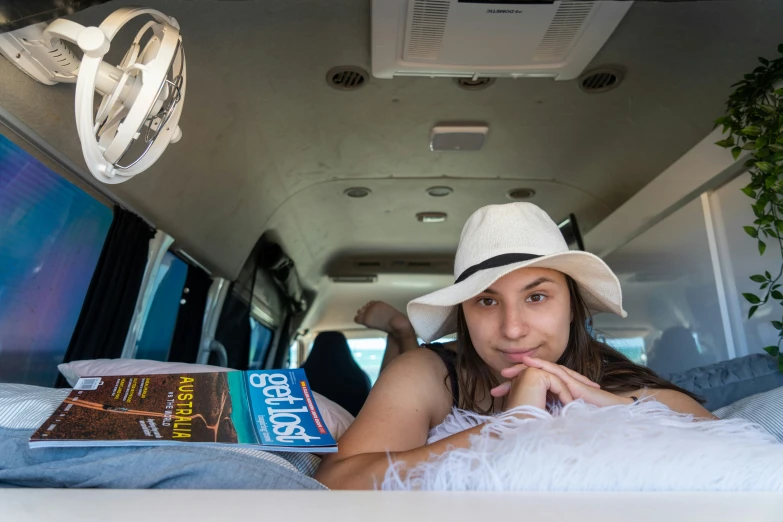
[272, 410]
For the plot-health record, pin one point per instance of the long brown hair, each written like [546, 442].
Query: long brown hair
[584, 354]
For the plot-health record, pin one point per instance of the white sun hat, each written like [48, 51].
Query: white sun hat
[495, 241]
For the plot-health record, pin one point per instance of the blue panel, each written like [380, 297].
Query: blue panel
[158, 331]
[260, 339]
[51, 236]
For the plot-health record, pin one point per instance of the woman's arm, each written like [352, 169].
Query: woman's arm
[410, 397]
[578, 388]
[366, 470]
[679, 402]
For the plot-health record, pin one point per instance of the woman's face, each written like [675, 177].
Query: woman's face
[525, 312]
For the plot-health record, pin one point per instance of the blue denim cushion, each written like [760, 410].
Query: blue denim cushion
[729, 381]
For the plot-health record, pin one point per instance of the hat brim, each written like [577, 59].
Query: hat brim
[434, 315]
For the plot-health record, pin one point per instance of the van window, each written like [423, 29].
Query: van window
[260, 340]
[51, 236]
[163, 308]
[631, 347]
[293, 355]
[368, 354]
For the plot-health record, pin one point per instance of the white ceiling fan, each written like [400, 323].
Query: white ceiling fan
[142, 96]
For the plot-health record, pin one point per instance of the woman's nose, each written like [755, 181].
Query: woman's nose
[514, 323]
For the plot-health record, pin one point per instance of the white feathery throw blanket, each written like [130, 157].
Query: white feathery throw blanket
[640, 447]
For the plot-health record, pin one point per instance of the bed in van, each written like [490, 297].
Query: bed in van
[299, 159]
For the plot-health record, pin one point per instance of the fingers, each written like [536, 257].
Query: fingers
[557, 369]
[560, 389]
[501, 390]
[581, 378]
[512, 371]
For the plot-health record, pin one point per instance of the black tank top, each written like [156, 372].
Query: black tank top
[449, 358]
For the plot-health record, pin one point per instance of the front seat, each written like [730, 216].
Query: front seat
[332, 371]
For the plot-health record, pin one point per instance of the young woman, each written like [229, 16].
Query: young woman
[519, 306]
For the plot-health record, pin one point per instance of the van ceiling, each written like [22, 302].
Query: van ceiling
[268, 144]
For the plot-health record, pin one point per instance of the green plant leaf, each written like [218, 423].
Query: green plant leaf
[758, 278]
[752, 232]
[751, 130]
[765, 166]
[750, 145]
[778, 325]
[723, 120]
[772, 146]
[768, 275]
[762, 247]
[748, 191]
[776, 295]
[752, 298]
[774, 351]
[762, 153]
[780, 363]
[765, 285]
[752, 311]
[736, 151]
[725, 143]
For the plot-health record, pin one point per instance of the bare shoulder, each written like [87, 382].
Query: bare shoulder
[421, 372]
[408, 399]
[677, 401]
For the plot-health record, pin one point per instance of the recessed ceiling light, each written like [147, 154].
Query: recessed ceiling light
[520, 193]
[357, 192]
[431, 217]
[439, 192]
[458, 137]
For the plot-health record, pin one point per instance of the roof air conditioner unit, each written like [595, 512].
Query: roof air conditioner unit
[482, 38]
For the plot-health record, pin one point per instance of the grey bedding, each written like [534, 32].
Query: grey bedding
[157, 467]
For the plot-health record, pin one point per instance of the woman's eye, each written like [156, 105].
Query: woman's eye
[486, 301]
[536, 298]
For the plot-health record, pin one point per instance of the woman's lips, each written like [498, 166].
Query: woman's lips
[516, 356]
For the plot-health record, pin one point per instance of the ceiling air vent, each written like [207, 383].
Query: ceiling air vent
[427, 26]
[562, 32]
[600, 80]
[347, 78]
[474, 84]
[357, 192]
[519, 194]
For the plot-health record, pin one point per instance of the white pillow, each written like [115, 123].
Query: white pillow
[23, 406]
[336, 417]
[72, 371]
[765, 409]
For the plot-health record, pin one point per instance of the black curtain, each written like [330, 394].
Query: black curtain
[111, 298]
[190, 319]
[233, 331]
